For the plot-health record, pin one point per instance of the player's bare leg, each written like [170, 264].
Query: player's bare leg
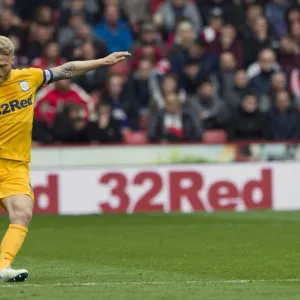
[19, 209]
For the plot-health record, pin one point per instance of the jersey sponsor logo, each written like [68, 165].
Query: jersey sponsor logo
[24, 86]
[14, 105]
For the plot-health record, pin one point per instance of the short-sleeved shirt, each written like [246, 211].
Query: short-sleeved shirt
[17, 96]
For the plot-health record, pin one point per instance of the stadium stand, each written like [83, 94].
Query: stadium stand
[193, 63]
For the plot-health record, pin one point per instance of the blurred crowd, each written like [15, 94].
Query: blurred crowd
[197, 66]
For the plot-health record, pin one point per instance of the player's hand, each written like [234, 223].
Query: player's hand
[115, 58]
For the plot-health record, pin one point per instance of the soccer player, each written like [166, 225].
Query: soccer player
[17, 93]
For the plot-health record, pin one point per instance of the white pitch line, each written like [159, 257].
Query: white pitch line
[243, 281]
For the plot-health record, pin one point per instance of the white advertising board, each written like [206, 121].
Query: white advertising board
[179, 188]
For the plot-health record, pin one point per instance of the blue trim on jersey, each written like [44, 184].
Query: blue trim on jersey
[51, 73]
[44, 81]
[47, 80]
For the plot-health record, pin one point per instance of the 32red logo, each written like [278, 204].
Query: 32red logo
[219, 195]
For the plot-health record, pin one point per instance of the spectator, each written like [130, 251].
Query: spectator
[114, 31]
[51, 57]
[139, 84]
[266, 63]
[293, 15]
[234, 93]
[295, 32]
[228, 42]
[8, 4]
[253, 11]
[248, 123]
[209, 62]
[42, 35]
[192, 76]
[278, 84]
[154, 54]
[228, 67]
[10, 24]
[90, 6]
[44, 15]
[173, 123]
[88, 9]
[71, 125]
[83, 35]
[135, 10]
[211, 32]
[94, 80]
[261, 83]
[173, 10]
[169, 85]
[124, 109]
[289, 55]
[276, 12]
[106, 129]
[50, 100]
[283, 119]
[241, 7]
[148, 35]
[147, 46]
[67, 33]
[26, 9]
[184, 40]
[225, 6]
[262, 38]
[211, 110]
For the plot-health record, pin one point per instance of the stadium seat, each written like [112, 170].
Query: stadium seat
[135, 137]
[214, 136]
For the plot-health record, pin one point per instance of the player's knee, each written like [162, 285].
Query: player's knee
[19, 209]
[21, 215]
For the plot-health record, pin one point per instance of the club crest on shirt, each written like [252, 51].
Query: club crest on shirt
[24, 86]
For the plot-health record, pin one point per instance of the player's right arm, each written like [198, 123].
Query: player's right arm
[76, 68]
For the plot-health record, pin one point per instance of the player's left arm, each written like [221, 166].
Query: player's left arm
[77, 68]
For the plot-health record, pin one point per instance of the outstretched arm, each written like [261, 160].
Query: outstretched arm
[77, 68]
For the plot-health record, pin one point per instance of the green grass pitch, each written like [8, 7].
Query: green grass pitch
[253, 255]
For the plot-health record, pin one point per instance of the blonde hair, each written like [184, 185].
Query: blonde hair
[181, 27]
[6, 46]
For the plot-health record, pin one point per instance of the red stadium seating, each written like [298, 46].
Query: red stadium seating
[214, 136]
[135, 138]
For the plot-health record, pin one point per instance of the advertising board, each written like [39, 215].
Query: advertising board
[174, 188]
